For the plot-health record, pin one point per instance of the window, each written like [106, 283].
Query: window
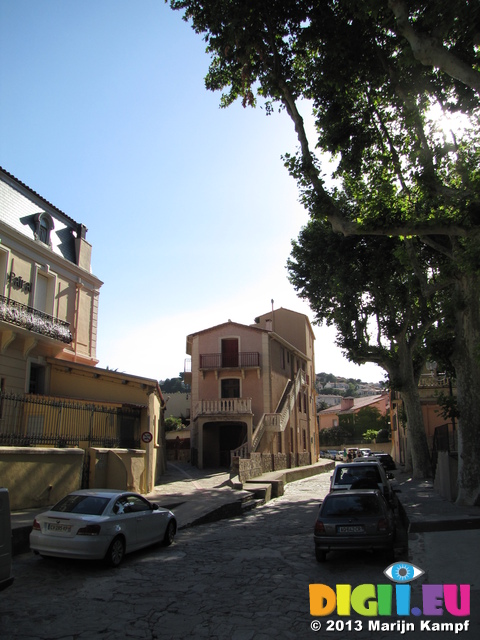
[231, 388]
[44, 292]
[37, 379]
[3, 271]
[43, 227]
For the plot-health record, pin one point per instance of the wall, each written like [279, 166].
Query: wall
[122, 469]
[39, 477]
[446, 474]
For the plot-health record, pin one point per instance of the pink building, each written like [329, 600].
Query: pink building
[330, 417]
[252, 389]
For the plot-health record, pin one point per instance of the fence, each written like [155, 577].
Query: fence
[31, 420]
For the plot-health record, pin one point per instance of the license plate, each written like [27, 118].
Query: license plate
[350, 529]
[59, 528]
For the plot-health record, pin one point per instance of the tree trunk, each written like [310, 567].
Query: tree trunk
[467, 367]
[407, 384]
[417, 439]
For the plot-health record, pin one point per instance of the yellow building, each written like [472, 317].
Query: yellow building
[51, 391]
[252, 390]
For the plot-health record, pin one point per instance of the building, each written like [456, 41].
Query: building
[330, 400]
[332, 416]
[252, 389]
[441, 432]
[52, 392]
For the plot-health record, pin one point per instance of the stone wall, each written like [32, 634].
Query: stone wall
[260, 463]
[39, 476]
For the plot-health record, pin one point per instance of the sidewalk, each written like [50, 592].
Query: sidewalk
[197, 496]
[426, 511]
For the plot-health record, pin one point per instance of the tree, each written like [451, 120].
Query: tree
[173, 424]
[381, 309]
[370, 435]
[174, 385]
[373, 70]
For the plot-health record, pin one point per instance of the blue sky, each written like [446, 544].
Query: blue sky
[189, 209]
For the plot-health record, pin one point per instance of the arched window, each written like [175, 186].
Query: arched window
[43, 227]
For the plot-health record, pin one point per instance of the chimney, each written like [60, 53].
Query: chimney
[346, 403]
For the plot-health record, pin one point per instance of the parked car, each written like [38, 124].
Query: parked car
[6, 577]
[364, 452]
[362, 473]
[356, 519]
[385, 460]
[332, 454]
[339, 455]
[101, 524]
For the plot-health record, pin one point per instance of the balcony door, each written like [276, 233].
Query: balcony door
[230, 352]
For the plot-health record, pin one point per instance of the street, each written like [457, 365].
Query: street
[243, 579]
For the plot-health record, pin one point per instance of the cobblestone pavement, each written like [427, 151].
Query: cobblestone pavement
[242, 579]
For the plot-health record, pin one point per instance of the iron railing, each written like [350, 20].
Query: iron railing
[29, 420]
[29, 318]
[239, 360]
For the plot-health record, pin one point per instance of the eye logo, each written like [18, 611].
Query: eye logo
[402, 572]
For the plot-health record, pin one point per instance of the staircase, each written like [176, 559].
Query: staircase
[274, 422]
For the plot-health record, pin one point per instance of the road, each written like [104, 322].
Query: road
[242, 579]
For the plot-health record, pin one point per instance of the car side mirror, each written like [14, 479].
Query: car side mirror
[390, 476]
[155, 506]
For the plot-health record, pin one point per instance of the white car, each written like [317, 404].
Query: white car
[6, 578]
[362, 473]
[103, 524]
[365, 452]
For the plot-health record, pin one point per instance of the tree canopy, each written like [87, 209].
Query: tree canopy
[376, 74]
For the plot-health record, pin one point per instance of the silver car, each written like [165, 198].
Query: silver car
[101, 524]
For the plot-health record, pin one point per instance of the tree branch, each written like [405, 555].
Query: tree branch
[429, 52]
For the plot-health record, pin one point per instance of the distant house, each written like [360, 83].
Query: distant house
[330, 417]
[331, 400]
[252, 389]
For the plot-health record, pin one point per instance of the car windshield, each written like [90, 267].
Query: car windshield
[348, 505]
[348, 475]
[91, 505]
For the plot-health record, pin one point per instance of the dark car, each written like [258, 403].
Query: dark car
[355, 519]
[385, 459]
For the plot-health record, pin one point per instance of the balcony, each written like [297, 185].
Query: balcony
[241, 360]
[33, 320]
[224, 407]
[217, 362]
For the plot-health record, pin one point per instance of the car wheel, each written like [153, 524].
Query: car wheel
[116, 552]
[320, 555]
[169, 536]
